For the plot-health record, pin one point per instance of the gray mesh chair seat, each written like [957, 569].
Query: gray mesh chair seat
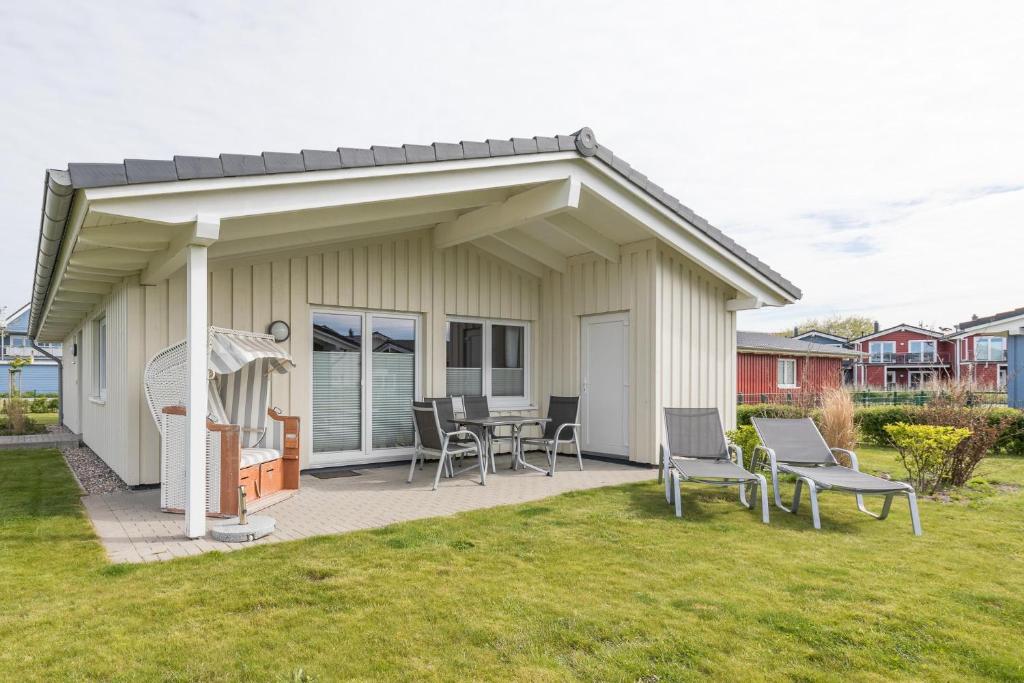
[796, 447]
[432, 438]
[711, 469]
[694, 449]
[561, 429]
[839, 477]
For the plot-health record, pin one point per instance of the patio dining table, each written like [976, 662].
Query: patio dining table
[516, 422]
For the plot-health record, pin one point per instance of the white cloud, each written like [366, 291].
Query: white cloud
[780, 123]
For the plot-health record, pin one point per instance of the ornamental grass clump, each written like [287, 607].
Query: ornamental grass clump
[836, 419]
[926, 451]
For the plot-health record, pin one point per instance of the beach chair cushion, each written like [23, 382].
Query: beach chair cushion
[257, 456]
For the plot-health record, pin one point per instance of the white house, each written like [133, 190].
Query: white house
[519, 268]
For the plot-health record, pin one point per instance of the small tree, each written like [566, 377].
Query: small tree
[925, 451]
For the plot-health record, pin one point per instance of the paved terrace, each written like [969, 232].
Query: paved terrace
[133, 529]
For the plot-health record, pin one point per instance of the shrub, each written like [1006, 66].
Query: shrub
[872, 421]
[745, 412]
[1011, 440]
[836, 421]
[17, 421]
[39, 405]
[927, 452]
[985, 427]
[746, 438]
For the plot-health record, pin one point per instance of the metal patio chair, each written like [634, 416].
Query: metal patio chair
[563, 428]
[477, 407]
[694, 449]
[433, 439]
[796, 447]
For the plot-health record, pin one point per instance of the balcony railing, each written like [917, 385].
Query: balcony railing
[12, 352]
[989, 356]
[918, 358]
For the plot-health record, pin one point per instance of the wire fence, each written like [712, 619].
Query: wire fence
[871, 398]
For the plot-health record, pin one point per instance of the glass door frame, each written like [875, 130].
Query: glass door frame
[367, 454]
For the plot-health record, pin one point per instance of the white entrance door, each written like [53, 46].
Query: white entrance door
[604, 404]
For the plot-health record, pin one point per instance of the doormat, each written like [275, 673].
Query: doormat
[335, 473]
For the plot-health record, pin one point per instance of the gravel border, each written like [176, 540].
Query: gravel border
[93, 475]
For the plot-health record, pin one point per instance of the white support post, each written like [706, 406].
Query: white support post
[195, 469]
[196, 276]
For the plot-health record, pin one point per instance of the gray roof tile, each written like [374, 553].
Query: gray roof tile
[190, 168]
[242, 164]
[283, 162]
[763, 341]
[500, 148]
[566, 143]
[97, 175]
[524, 145]
[447, 151]
[475, 150]
[383, 156]
[321, 160]
[352, 157]
[149, 171]
[419, 154]
[545, 144]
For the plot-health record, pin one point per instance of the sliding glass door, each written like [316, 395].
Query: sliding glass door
[355, 420]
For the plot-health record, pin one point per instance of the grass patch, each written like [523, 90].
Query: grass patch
[594, 585]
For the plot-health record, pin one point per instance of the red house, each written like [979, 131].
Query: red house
[981, 357]
[903, 357]
[770, 368]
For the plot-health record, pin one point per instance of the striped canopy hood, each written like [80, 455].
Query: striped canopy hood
[231, 350]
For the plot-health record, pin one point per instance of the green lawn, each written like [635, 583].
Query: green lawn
[596, 585]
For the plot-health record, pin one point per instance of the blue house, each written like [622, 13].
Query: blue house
[41, 374]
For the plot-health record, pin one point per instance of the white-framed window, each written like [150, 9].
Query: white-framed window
[990, 348]
[489, 358]
[881, 351]
[100, 358]
[922, 350]
[786, 373]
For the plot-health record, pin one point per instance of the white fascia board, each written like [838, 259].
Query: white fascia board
[999, 327]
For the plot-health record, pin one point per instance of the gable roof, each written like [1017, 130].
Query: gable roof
[988, 319]
[61, 185]
[765, 342]
[900, 328]
[17, 322]
[819, 333]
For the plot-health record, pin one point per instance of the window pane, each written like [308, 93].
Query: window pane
[394, 381]
[508, 374]
[465, 351]
[337, 376]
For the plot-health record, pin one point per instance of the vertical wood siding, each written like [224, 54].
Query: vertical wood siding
[593, 286]
[758, 374]
[696, 341]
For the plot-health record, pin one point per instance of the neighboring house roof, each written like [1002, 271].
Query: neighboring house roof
[17, 322]
[60, 185]
[823, 335]
[764, 342]
[899, 328]
[996, 323]
[994, 318]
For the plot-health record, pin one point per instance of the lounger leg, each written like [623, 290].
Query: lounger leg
[677, 487]
[579, 453]
[885, 507]
[763, 485]
[812, 493]
[775, 488]
[441, 464]
[796, 496]
[743, 496]
[668, 485]
[915, 520]
[412, 467]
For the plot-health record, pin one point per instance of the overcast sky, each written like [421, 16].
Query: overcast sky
[871, 152]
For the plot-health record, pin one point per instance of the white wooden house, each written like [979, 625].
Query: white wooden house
[520, 268]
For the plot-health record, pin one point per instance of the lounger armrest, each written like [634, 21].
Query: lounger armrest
[737, 453]
[853, 457]
[754, 461]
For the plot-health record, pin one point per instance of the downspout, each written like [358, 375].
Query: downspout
[60, 380]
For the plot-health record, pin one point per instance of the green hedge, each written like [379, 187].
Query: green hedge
[871, 421]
